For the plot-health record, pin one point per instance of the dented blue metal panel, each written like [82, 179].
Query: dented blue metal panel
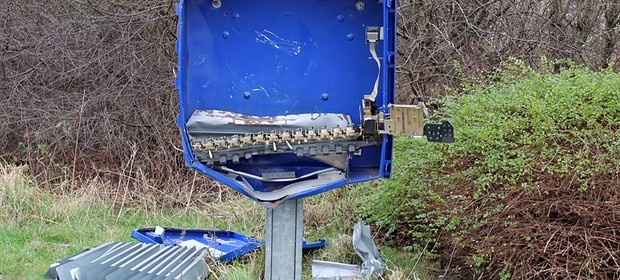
[283, 57]
[223, 245]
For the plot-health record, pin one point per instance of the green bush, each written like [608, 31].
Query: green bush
[521, 136]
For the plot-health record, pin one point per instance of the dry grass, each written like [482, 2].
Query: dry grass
[38, 227]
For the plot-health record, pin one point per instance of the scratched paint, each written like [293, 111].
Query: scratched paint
[291, 47]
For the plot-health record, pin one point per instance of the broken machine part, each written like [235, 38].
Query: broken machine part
[372, 266]
[295, 100]
[220, 137]
[120, 260]
[222, 245]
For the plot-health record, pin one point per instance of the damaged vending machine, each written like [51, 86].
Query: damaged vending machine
[284, 99]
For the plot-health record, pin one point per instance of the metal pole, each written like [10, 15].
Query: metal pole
[284, 236]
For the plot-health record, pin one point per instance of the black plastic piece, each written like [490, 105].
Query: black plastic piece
[441, 133]
[367, 103]
[370, 127]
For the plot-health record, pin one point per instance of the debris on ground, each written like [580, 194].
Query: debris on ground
[365, 248]
[121, 260]
[222, 245]
[324, 270]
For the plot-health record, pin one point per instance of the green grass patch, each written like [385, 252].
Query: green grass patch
[38, 228]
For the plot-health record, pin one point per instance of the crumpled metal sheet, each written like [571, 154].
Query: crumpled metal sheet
[365, 247]
[274, 198]
[216, 123]
[324, 270]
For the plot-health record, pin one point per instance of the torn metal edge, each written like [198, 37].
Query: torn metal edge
[326, 270]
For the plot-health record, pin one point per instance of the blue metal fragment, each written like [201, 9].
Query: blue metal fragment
[222, 245]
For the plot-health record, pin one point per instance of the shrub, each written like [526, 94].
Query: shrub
[531, 186]
[88, 91]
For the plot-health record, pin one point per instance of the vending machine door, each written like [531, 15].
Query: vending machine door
[273, 93]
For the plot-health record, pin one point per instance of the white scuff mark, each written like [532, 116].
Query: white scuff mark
[231, 70]
[291, 47]
[314, 43]
[201, 60]
[262, 89]
[237, 81]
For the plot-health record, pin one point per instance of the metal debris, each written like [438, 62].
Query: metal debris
[119, 260]
[324, 270]
[365, 247]
[222, 245]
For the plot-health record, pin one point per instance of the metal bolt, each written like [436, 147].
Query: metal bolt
[225, 34]
[360, 5]
[325, 96]
[350, 37]
[340, 18]
[216, 4]
[246, 94]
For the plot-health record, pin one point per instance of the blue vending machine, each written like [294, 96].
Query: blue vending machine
[284, 99]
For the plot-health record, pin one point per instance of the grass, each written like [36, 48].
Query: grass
[39, 227]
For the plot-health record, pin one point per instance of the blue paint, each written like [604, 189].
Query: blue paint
[279, 57]
[229, 244]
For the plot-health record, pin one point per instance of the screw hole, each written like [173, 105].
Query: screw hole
[360, 5]
[216, 4]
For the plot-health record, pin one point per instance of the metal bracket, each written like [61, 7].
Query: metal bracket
[443, 133]
[404, 120]
[374, 34]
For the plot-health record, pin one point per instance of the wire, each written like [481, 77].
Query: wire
[252, 176]
[373, 52]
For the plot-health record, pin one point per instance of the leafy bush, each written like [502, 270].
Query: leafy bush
[531, 186]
